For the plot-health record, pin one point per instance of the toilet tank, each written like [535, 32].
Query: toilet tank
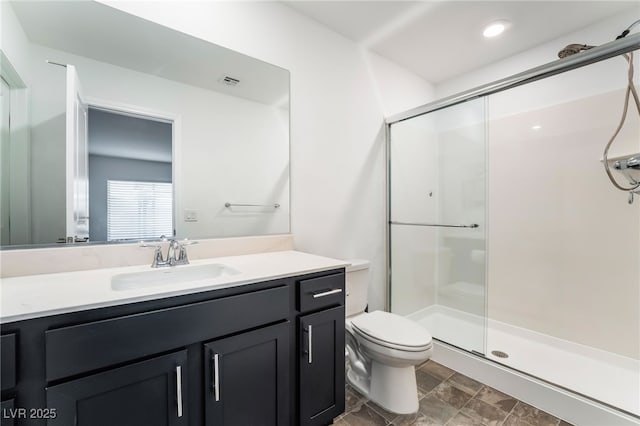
[357, 286]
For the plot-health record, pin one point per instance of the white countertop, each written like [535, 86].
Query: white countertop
[35, 296]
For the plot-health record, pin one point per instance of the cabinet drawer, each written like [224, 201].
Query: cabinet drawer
[8, 361]
[85, 347]
[321, 292]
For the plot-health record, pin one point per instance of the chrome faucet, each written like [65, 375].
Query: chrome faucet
[176, 253]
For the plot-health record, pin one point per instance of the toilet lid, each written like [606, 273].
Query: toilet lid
[392, 329]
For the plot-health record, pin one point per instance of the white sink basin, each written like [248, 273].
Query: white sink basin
[170, 275]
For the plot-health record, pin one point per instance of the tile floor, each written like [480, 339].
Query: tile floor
[448, 398]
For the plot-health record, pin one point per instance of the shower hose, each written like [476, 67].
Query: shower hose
[629, 92]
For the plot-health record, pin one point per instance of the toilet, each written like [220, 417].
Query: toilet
[382, 348]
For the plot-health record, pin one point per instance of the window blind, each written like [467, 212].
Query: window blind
[139, 210]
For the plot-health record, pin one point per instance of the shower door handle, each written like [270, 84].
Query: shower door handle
[439, 225]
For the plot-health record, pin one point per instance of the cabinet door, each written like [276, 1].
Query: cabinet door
[8, 361]
[321, 360]
[247, 378]
[8, 413]
[147, 393]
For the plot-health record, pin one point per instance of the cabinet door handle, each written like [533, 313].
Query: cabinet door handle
[327, 293]
[310, 344]
[215, 378]
[179, 389]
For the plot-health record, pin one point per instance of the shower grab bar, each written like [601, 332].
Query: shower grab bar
[439, 225]
[274, 205]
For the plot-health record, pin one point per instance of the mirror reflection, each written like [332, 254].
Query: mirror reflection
[130, 179]
[119, 135]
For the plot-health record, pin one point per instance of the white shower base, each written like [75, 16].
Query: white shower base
[604, 376]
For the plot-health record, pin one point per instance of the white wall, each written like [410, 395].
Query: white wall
[45, 157]
[5, 153]
[47, 85]
[339, 96]
[15, 71]
[13, 41]
[563, 244]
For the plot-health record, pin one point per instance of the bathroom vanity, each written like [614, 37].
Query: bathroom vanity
[261, 346]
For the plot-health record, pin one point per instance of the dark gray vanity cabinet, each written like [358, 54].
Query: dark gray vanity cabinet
[8, 377]
[8, 408]
[151, 392]
[230, 356]
[321, 363]
[8, 361]
[247, 378]
[322, 366]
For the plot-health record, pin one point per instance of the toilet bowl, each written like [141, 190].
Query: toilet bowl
[382, 348]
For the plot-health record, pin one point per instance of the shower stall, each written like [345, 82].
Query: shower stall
[506, 238]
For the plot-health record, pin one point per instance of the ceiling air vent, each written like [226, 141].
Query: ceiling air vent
[229, 81]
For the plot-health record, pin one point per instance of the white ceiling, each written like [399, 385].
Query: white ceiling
[439, 40]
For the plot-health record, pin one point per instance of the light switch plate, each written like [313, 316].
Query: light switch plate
[190, 215]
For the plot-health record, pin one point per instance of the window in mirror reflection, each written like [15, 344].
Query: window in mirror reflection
[138, 210]
[130, 176]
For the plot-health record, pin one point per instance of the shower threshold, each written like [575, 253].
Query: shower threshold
[604, 376]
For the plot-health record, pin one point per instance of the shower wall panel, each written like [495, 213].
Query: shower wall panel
[415, 268]
[564, 244]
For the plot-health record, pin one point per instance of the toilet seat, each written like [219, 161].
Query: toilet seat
[392, 331]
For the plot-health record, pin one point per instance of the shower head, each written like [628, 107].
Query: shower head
[572, 49]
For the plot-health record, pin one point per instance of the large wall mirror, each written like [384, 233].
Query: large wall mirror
[119, 129]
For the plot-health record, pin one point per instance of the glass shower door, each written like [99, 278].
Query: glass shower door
[437, 191]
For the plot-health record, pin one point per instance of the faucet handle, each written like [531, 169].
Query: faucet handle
[157, 254]
[145, 244]
[183, 259]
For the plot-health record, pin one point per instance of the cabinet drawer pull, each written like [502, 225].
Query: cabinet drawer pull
[310, 347]
[179, 389]
[327, 293]
[216, 383]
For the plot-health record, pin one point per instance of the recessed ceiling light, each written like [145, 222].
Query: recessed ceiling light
[536, 127]
[495, 28]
